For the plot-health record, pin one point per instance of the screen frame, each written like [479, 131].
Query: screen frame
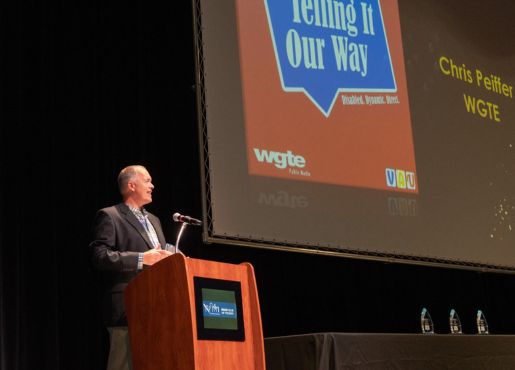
[211, 237]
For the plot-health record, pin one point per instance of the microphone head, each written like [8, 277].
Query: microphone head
[177, 217]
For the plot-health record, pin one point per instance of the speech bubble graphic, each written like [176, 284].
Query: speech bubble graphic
[324, 47]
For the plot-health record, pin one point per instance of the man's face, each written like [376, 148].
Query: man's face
[141, 187]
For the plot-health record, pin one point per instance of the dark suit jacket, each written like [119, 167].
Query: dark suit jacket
[118, 238]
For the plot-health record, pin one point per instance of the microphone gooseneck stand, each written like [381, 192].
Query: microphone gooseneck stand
[183, 226]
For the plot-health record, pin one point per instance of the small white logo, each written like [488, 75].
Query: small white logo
[212, 308]
[281, 160]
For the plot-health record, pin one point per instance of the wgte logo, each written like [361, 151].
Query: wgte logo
[279, 159]
[400, 179]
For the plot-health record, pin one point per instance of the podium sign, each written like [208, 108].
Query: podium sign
[219, 309]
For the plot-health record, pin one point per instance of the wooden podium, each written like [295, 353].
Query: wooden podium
[162, 318]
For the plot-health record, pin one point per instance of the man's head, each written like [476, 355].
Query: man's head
[135, 185]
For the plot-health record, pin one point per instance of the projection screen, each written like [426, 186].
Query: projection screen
[363, 128]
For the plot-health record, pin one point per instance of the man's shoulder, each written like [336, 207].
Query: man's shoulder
[115, 210]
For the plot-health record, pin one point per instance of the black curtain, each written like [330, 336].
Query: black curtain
[87, 88]
[90, 87]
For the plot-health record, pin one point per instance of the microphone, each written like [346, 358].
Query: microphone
[177, 217]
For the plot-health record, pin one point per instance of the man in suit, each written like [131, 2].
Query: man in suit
[126, 238]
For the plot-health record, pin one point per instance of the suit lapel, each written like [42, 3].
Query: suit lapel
[133, 221]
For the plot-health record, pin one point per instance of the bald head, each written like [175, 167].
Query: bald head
[128, 174]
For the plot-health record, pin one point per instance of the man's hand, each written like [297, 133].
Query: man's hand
[155, 255]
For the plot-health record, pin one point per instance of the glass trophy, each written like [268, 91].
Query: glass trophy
[454, 322]
[482, 326]
[426, 323]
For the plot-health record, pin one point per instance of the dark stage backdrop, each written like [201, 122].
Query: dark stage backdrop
[89, 87]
